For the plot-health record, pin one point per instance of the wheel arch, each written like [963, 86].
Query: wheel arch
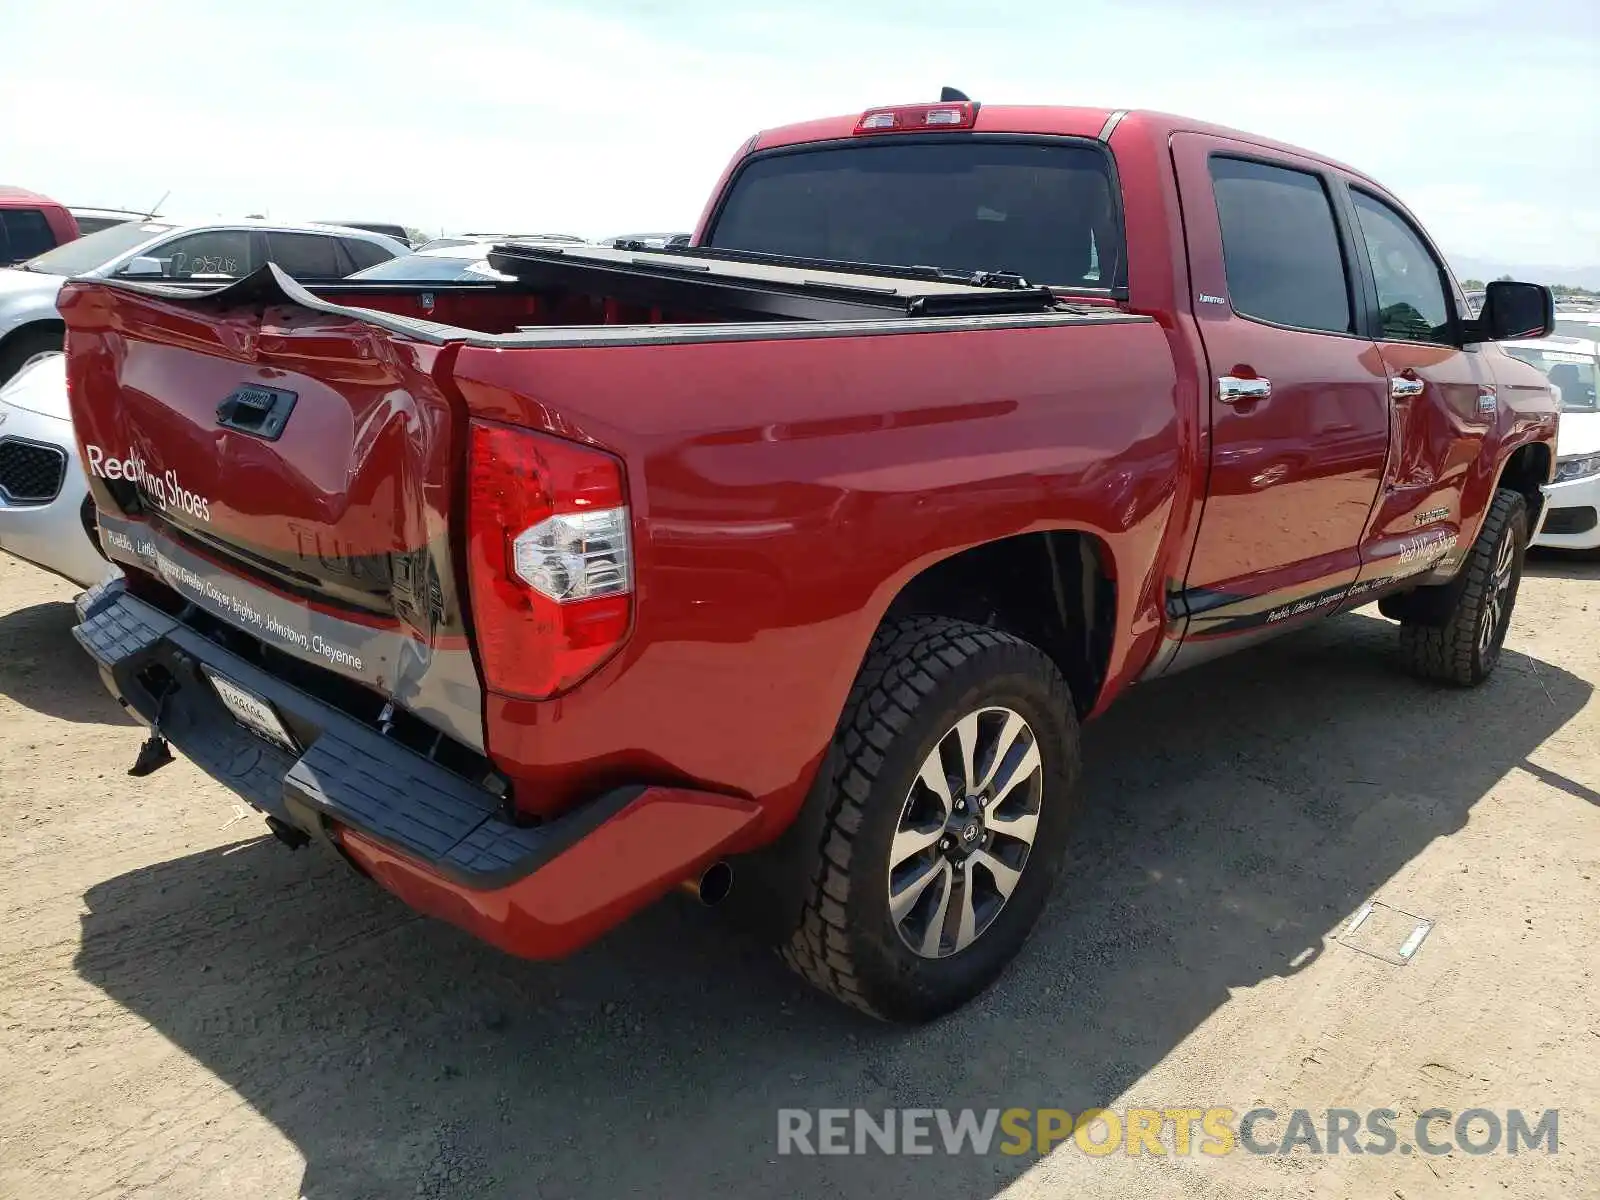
[37, 325]
[1054, 588]
[1526, 470]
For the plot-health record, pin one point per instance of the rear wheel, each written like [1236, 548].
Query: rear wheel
[26, 347]
[1462, 645]
[949, 806]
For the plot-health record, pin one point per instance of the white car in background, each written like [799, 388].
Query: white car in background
[46, 517]
[1571, 518]
[1584, 324]
[30, 327]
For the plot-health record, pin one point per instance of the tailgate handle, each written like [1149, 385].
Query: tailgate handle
[259, 411]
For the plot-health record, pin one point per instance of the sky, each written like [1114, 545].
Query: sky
[599, 117]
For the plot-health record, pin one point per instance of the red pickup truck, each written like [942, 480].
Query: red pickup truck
[795, 559]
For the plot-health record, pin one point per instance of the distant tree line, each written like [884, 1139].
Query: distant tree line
[1560, 289]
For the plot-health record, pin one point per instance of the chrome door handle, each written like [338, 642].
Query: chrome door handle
[1405, 389]
[1233, 390]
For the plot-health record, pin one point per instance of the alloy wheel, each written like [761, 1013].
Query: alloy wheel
[965, 832]
[1497, 608]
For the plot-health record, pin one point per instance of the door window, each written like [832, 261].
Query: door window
[365, 254]
[1412, 303]
[215, 254]
[306, 255]
[1280, 246]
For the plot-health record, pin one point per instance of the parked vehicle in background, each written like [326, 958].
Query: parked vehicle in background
[93, 220]
[454, 259]
[30, 224]
[463, 261]
[1572, 499]
[649, 241]
[570, 238]
[46, 516]
[398, 232]
[172, 252]
[790, 558]
[1578, 324]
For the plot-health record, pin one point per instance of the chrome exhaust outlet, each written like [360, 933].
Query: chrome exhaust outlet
[713, 885]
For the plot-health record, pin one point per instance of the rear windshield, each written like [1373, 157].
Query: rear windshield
[1044, 211]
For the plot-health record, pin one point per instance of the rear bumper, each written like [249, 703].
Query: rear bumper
[435, 839]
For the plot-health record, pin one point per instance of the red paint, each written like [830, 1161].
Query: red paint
[783, 492]
[666, 836]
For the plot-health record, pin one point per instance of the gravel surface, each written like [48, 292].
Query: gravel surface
[188, 1009]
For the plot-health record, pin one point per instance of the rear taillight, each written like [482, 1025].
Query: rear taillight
[548, 558]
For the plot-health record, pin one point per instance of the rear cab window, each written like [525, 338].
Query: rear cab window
[1045, 209]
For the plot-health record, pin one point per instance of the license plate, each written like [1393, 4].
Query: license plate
[251, 711]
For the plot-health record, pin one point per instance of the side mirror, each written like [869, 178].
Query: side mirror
[141, 268]
[1516, 310]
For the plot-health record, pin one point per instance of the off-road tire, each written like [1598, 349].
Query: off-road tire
[920, 676]
[1449, 649]
[24, 344]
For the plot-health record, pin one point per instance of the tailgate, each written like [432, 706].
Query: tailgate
[290, 470]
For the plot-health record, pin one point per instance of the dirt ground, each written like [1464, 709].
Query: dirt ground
[188, 1009]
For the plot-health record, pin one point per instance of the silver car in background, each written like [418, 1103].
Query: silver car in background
[45, 514]
[166, 250]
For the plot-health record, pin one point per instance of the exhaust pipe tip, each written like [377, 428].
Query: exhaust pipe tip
[713, 885]
[288, 834]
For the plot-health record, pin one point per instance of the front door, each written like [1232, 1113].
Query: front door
[1299, 408]
[1442, 396]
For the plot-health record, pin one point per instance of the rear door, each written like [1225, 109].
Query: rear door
[1299, 410]
[1441, 394]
